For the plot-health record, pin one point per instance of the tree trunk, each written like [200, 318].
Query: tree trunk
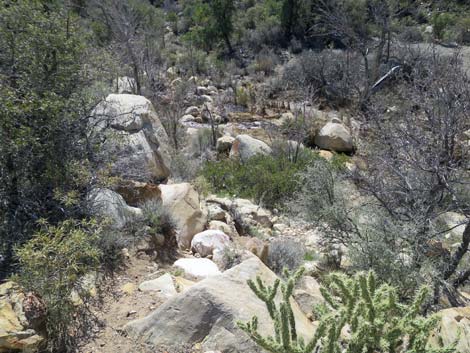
[459, 253]
[228, 44]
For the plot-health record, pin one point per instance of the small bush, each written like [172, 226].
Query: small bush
[332, 75]
[286, 253]
[269, 180]
[51, 265]
[242, 97]
[411, 34]
[159, 229]
[442, 22]
[111, 243]
[265, 62]
[373, 240]
[184, 168]
[464, 29]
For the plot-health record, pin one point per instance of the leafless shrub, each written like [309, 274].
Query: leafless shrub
[330, 74]
[285, 252]
[171, 108]
[419, 164]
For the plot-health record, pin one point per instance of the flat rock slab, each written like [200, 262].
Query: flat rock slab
[207, 312]
[163, 285]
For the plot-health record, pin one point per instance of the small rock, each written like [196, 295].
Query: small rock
[182, 201]
[201, 91]
[130, 313]
[212, 90]
[325, 154]
[215, 212]
[206, 98]
[20, 315]
[163, 285]
[187, 118]
[308, 294]
[245, 147]
[193, 110]
[197, 268]
[136, 193]
[125, 253]
[224, 143]
[279, 227]
[223, 227]
[128, 288]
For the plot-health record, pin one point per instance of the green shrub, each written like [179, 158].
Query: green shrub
[377, 321]
[269, 180]
[442, 22]
[52, 264]
[242, 97]
[159, 228]
[463, 26]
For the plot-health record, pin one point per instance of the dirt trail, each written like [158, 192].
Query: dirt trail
[119, 307]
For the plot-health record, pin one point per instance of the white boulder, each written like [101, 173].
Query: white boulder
[109, 204]
[245, 147]
[136, 143]
[197, 268]
[335, 137]
[163, 285]
[205, 243]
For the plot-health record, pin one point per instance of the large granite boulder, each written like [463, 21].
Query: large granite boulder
[136, 143]
[245, 147]
[207, 312]
[109, 204]
[334, 136]
[22, 319]
[182, 202]
[205, 243]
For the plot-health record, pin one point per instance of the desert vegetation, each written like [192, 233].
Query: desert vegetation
[305, 162]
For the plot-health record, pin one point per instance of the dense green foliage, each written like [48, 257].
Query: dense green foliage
[270, 180]
[53, 265]
[377, 321]
[212, 22]
[42, 111]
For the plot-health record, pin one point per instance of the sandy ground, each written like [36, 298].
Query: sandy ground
[120, 307]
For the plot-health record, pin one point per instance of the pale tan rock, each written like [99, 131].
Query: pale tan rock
[207, 312]
[182, 201]
[453, 321]
[335, 137]
[17, 329]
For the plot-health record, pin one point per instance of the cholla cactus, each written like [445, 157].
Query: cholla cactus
[372, 316]
[285, 338]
